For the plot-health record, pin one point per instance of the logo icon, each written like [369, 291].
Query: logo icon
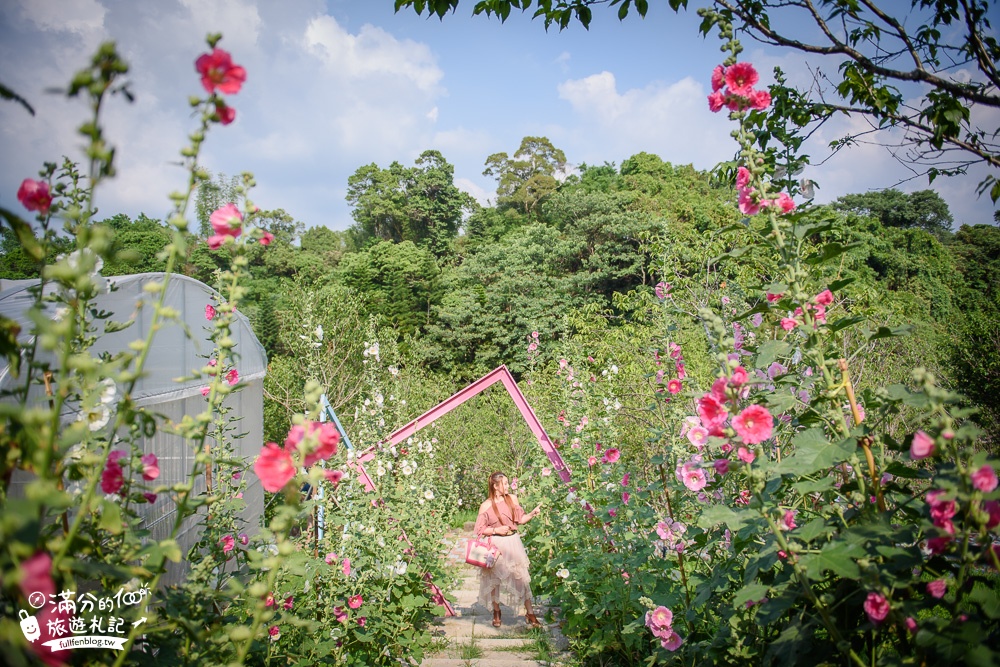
[29, 626]
[37, 599]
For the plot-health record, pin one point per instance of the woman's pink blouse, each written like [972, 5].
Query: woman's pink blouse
[488, 518]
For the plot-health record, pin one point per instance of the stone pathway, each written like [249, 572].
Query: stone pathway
[472, 639]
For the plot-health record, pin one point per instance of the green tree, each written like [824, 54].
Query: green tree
[136, 246]
[525, 179]
[923, 210]
[212, 194]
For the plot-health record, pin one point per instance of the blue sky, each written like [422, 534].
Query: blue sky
[337, 84]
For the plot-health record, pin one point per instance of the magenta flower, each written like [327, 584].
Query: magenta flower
[112, 478]
[225, 113]
[718, 78]
[937, 588]
[205, 391]
[721, 466]
[662, 290]
[985, 479]
[35, 195]
[824, 298]
[760, 99]
[625, 497]
[788, 521]
[331, 558]
[209, 312]
[745, 455]
[287, 604]
[773, 298]
[275, 633]
[754, 424]
[746, 202]
[150, 497]
[992, 509]
[740, 78]
[877, 607]
[219, 73]
[674, 386]
[243, 539]
[355, 601]
[232, 377]
[340, 615]
[716, 101]
[783, 201]
[333, 476]
[227, 221]
[922, 446]
[362, 620]
[269, 600]
[228, 544]
[788, 323]
[743, 177]
[274, 467]
[347, 567]
[612, 455]
[267, 238]
[150, 467]
[739, 377]
[625, 480]
[36, 575]
[712, 413]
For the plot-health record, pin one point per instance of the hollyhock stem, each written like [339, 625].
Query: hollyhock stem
[865, 441]
[680, 555]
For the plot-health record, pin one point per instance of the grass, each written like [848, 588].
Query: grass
[459, 519]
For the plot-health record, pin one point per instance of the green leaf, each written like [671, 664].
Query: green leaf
[716, 514]
[111, 517]
[770, 351]
[900, 469]
[812, 530]
[836, 557]
[813, 452]
[813, 485]
[830, 251]
[886, 332]
[845, 322]
[750, 592]
[838, 285]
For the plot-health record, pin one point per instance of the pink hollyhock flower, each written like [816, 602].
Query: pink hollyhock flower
[661, 617]
[694, 478]
[662, 290]
[674, 386]
[743, 177]
[269, 600]
[739, 377]
[228, 544]
[331, 558]
[612, 512]
[232, 377]
[150, 497]
[711, 412]
[546, 472]
[911, 624]
[760, 99]
[788, 323]
[985, 479]
[274, 467]
[726, 447]
[788, 521]
[237, 475]
[773, 298]
[532, 346]
[35, 195]
[275, 633]
[112, 479]
[938, 545]
[219, 73]
[227, 220]
[534, 334]
[288, 602]
[625, 480]
[824, 298]
[340, 615]
[673, 642]
[267, 238]
[205, 391]
[754, 424]
[740, 78]
[992, 509]
[150, 467]
[225, 113]
[877, 607]
[922, 446]
[820, 315]
[784, 202]
[355, 601]
[745, 455]
[718, 77]
[612, 455]
[663, 530]
[328, 438]
[243, 539]
[625, 497]
[36, 575]
[592, 461]
[333, 476]
[746, 203]
[209, 312]
[698, 436]
[718, 390]
[362, 620]
[716, 101]
[721, 466]
[295, 435]
[681, 371]
[347, 567]
[937, 588]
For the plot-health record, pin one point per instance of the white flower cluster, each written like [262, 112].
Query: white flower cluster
[371, 350]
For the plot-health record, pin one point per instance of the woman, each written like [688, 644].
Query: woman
[508, 580]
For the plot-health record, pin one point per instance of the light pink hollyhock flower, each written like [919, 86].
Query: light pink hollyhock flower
[274, 467]
[721, 466]
[716, 101]
[788, 521]
[788, 323]
[274, 632]
[205, 391]
[694, 478]
[985, 479]
[661, 617]
[760, 99]
[662, 291]
[673, 642]
[347, 567]
[150, 467]
[267, 238]
[534, 334]
[226, 113]
[355, 601]
[754, 424]
[209, 312]
[112, 478]
[612, 455]
[674, 386]
[740, 78]
[698, 436]
[711, 412]
[625, 497]
[227, 220]
[328, 438]
[745, 455]
[820, 315]
[743, 177]
[232, 377]
[546, 472]
[663, 530]
[331, 558]
[592, 461]
[718, 77]
[937, 588]
[333, 476]
[877, 607]
[219, 73]
[35, 195]
[228, 544]
[340, 615]
[824, 298]
[922, 446]
[784, 202]
[746, 203]
[532, 346]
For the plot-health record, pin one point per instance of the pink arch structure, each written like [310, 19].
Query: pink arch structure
[501, 375]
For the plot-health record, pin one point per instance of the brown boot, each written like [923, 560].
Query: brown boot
[496, 616]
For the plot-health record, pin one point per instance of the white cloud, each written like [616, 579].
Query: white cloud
[238, 19]
[479, 193]
[432, 115]
[79, 16]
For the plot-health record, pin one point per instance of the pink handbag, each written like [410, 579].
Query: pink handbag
[480, 553]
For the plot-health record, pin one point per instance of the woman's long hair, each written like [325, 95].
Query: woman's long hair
[494, 478]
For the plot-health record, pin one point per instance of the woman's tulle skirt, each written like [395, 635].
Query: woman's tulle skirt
[509, 575]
